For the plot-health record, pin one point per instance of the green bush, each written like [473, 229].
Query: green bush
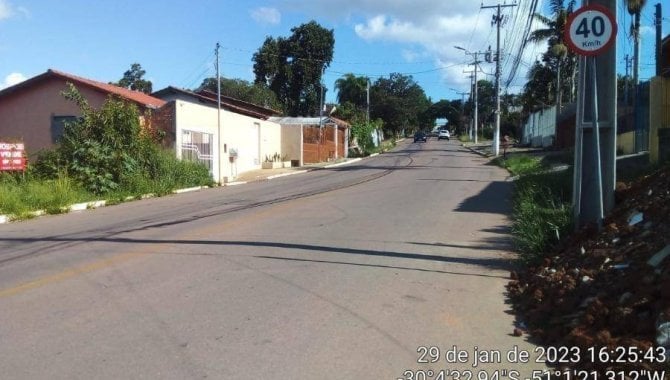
[363, 134]
[107, 151]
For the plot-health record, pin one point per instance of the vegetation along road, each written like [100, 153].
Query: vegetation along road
[377, 270]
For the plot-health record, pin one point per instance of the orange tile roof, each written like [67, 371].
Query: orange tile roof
[135, 96]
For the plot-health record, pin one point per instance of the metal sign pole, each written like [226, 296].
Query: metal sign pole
[596, 145]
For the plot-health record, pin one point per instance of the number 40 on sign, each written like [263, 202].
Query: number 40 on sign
[590, 30]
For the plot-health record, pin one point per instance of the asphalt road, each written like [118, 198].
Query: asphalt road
[333, 274]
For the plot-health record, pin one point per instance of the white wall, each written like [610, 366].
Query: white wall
[241, 133]
[251, 138]
[540, 128]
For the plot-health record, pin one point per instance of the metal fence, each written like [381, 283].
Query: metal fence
[197, 147]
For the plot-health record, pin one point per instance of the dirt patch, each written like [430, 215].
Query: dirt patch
[609, 288]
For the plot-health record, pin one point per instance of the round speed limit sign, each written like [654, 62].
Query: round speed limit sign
[590, 30]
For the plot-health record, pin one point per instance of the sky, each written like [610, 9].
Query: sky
[174, 41]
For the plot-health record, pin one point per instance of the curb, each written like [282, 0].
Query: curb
[287, 174]
[344, 163]
[77, 207]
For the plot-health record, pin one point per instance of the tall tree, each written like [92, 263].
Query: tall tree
[635, 9]
[352, 89]
[400, 102]
[133, 79]
[553, 33]
[293, 67]
[243, 90]
[451, 110]
[537, 92]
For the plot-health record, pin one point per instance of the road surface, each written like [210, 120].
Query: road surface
[352, 272]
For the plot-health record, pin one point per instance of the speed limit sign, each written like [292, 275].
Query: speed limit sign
[590, 30]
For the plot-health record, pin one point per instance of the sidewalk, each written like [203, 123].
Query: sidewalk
[486, 149]
[269, 174]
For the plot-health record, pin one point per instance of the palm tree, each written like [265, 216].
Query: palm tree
[635, 9]
[351, 88]
[553, 34]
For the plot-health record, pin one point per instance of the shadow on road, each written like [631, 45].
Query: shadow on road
[494, 199]
[492, 263]
[490, 244]
[379, 266]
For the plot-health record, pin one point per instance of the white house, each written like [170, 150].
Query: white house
[237, 142]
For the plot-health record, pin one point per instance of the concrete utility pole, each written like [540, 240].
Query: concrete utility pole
[497, 19]
[462, 94]
[218, 114]
[476, 65]
[629, 62]
[659, 37]
[595, 132]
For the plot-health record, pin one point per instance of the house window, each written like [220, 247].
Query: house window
[197, 147]
[58, 126]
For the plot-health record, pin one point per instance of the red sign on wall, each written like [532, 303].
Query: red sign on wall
[12, 157]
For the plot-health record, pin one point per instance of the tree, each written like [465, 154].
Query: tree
[243, 90]
[451, 110]
[553, 33]
[537, 92]
[635, 9]
[352, 89]
[400, 102]
[132, 79]
[293, 67]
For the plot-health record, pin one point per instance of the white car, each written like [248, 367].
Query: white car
[443, 134]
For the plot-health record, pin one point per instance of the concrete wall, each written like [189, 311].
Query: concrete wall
[540, 128]
[26, 114]
[625, 143]
[251, 138]
[291, 142]
[659, 119]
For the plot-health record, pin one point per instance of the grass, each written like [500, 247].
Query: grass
[542, 213]
[21, 195]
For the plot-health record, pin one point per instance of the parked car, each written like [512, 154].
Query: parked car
[420, 136]
[443, 134]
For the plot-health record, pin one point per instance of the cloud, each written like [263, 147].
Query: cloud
[265, 15]
[6, 10]
[432, 27]
[12, 79]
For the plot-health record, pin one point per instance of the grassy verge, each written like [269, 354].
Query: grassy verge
[541, 201]
[21, 195]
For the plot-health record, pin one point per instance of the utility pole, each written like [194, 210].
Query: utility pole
[474, 101]
[218, 114]
[659, 32]
[594, 176]
[497, 19]
[462, 94]
[627, 79]
[476, 65]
